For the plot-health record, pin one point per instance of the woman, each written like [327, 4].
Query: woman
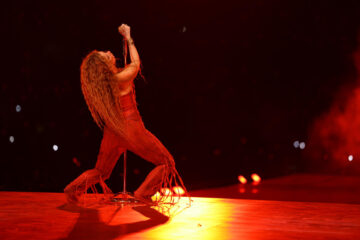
[110, 96]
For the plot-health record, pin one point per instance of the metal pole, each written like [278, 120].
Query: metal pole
[124, 182]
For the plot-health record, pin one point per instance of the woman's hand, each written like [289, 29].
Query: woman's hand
[125, 31]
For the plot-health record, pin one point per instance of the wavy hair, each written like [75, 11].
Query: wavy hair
[101, 92]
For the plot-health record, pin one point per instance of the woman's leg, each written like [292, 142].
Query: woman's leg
[147, 146]
[112, 146]
[109, 153]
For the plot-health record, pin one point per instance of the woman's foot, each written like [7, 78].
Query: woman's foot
[71, 195]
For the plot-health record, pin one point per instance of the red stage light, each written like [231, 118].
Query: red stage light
[178, 190]
[76, 161]
[254, 191]
[242, 179]
[242, 189]
[156, 196]
[166, 191]
[256, 178]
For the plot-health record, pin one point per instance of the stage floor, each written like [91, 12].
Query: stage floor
[296, 187]
[46, 216]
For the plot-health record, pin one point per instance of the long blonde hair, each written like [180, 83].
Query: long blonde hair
[101, 92]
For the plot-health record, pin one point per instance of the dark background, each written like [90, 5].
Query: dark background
[229, 85]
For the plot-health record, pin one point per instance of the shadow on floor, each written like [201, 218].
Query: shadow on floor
[89, 226]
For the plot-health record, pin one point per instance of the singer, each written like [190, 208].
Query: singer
[110, 96]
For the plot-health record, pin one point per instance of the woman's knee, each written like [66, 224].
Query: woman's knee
[104, 174]
[170, 161]
[165, 161]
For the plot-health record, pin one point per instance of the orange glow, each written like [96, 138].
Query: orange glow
[178, 190]
[242, 189]
[254, 190]
[156, 196]
[256, 178]
[166, 191]
[242, 179]
[206, 219]
[203, 220]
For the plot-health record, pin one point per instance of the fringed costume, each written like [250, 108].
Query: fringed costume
[123, 129]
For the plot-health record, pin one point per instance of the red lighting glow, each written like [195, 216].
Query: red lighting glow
[335, 132]
[166, 191]
[242, 189]
[254, 191]
[242, 179]
[156, 196]
[178, 190]
[76, 161]
[256, 178]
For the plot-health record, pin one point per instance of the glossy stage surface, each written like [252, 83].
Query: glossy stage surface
[296, 187]
[46, 216]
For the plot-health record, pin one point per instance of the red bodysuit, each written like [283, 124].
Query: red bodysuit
[137, 140]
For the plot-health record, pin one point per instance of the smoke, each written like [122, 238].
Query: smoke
[335, 135]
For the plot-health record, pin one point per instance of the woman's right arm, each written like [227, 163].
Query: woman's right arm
[130, 71]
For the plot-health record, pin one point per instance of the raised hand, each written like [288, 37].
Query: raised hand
[124, 30]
